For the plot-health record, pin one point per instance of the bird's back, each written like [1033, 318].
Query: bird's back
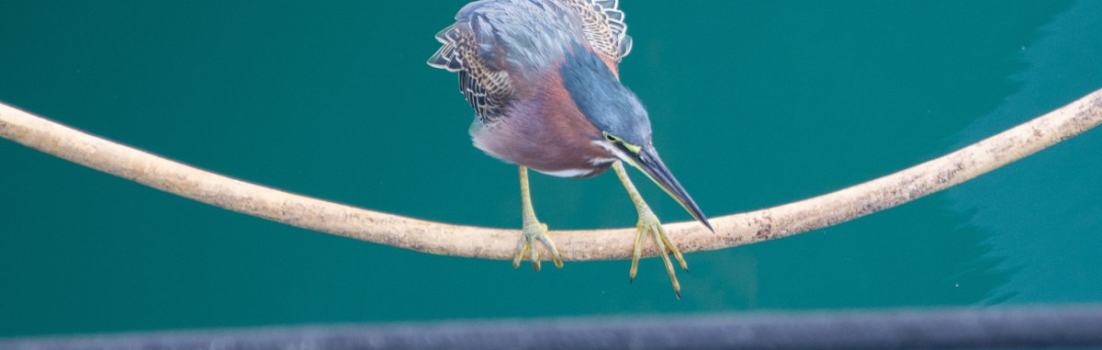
[498, 46]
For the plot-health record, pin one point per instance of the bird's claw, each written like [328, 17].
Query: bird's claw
[650, 225]
[532, 233]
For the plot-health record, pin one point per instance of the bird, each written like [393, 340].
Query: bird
[543, 79]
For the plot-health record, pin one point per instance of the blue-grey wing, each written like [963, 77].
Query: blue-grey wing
[492, 40]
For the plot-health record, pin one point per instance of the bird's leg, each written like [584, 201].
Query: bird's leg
[533, 230]
[650, 225]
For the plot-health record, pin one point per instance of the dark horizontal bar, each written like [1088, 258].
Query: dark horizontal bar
[975, 328]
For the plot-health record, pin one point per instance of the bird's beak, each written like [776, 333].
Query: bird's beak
[648, 161]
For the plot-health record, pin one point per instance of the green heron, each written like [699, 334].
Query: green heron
[543, 79]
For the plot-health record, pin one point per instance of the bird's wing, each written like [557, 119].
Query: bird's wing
[492, 38]
[482, 77]
[604, 27]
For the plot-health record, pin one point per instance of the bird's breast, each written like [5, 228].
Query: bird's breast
[546, 132]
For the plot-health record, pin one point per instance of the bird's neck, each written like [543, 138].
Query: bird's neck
[598, 93]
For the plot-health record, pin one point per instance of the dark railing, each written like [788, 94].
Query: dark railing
[979, 328]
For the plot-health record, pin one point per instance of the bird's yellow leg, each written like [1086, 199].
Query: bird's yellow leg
[650, 225]
[533, 230]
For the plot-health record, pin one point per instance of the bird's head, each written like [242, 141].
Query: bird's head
[645, 158]
[623, 122]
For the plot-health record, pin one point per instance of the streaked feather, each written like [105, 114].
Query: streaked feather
[487, 90]
[604, 27]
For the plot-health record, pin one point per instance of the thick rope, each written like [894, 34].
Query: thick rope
[478, 242]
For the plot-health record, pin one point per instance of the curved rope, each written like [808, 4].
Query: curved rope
[491, 243]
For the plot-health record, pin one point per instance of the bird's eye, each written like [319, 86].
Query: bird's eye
[611, 138]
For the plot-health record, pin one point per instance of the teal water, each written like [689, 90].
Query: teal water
[754, 103]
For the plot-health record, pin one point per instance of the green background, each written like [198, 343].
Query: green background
[754, 103]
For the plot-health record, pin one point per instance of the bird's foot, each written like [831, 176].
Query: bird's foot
[649, 225]
[535, 231]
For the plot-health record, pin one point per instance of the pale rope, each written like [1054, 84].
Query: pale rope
[447, 239]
